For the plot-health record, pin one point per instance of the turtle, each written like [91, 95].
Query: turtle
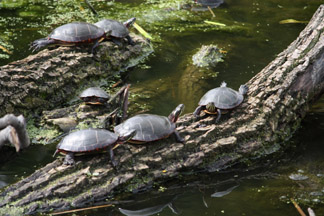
[220, 99]
[91, 140]
[72, 34]
[117, 29]
[150, 127]
[94, 95]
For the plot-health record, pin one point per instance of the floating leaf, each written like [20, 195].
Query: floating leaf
[290, 21]
[142, 31]
[214, 23]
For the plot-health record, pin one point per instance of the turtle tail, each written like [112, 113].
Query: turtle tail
[55, 152]
[223, 84]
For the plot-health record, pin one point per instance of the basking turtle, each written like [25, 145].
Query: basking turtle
[117, 29]
[72, 34]
[150, 127]
[94, 95]
[90, 140]
[219, 99]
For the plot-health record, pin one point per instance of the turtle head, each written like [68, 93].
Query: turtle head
[174, 115]
[129, 22]
[127, 136]
[210, 107]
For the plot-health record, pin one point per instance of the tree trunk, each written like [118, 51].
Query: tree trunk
[50, 77]
[277, 100]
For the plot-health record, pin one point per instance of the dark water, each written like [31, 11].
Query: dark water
[164, 79]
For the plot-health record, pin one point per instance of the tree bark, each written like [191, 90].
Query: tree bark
[51, 77]
[278, 98]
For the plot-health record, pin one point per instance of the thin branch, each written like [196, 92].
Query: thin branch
[91, 8]
[301, 212]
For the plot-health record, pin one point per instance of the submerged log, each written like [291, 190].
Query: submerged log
[277, 100]
[50, 77]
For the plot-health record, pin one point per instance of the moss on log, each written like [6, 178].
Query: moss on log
[278, 98]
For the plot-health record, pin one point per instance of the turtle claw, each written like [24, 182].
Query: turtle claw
[178, 137]
[130, 40]
[69, 159]
[112, 158]
[114, 163]
[219, 114]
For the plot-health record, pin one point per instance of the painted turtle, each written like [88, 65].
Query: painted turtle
[90, 140]
[221, 98]
[71, 34]
[118, 30]
[94, 95]
[150, 127]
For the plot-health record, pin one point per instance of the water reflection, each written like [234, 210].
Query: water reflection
[224, 193]
[155, 204]
[148, 211]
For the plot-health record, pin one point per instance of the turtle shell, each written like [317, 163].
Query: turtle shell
[77, 32]
[223, 98]
[117, 29]
[94, 92]
[87, 140]
[148, 127]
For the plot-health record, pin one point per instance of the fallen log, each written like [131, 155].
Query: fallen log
[51, 77]
[278, 98]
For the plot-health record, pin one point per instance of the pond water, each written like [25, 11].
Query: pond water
[167, 78]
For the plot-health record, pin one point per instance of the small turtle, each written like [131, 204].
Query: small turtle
[94, 95]
[117, 29]
[150, 127]
[90, 140]
[220, 99]
[72, 34]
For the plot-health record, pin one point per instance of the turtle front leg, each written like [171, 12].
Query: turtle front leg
[40, 43]
[219, 114]
[130, 40]
[96, 43]
[178, 137]
[116, 41]
[112, 157]
[197, 111]
[69, 159]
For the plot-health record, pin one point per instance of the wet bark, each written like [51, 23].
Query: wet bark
[278, 99]
[51, 77]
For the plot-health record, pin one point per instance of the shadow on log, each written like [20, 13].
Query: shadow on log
[278, 99]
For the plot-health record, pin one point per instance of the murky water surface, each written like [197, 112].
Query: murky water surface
[167, 79]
